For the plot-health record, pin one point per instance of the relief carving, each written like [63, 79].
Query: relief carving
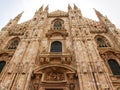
[55, 76]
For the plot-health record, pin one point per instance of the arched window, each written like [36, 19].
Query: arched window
[57, 25]
[2, 64]
[13, 43]
[102, 42]
[56, 46]
[114, 66]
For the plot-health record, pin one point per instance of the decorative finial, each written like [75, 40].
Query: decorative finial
[75, 7]
[17, 18]
[47, 8]
[41, 8]
[69, 7]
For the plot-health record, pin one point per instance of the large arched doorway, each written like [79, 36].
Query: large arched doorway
[54, 77]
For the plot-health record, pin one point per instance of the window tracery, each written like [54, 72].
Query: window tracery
[57, 24]
[13, 44]
[102, 42]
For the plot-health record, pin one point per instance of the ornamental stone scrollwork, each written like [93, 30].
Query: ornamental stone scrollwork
[53, 60]
[55, 76]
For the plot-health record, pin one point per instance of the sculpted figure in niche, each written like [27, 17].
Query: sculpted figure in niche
[47, 59]
[41, 60]
[76, 33]
[25, 67]
[35, 33]
[84, 67]
[26, 35]
[19, 67]
[99, 66]
[63, 59]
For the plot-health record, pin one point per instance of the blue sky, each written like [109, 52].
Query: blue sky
[10, 8]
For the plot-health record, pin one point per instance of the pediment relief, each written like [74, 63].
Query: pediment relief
[48, 68]
[58, 13]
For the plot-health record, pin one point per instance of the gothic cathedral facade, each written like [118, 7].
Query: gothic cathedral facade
[60, 51]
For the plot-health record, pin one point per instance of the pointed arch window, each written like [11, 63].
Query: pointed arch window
[56, 46]
[57, 25]
[102, 42]
[2, 65]
[13, 43]
[114, 66]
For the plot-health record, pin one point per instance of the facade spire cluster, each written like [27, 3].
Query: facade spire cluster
[60, 51]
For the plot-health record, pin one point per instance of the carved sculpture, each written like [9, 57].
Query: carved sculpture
[54, 76]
